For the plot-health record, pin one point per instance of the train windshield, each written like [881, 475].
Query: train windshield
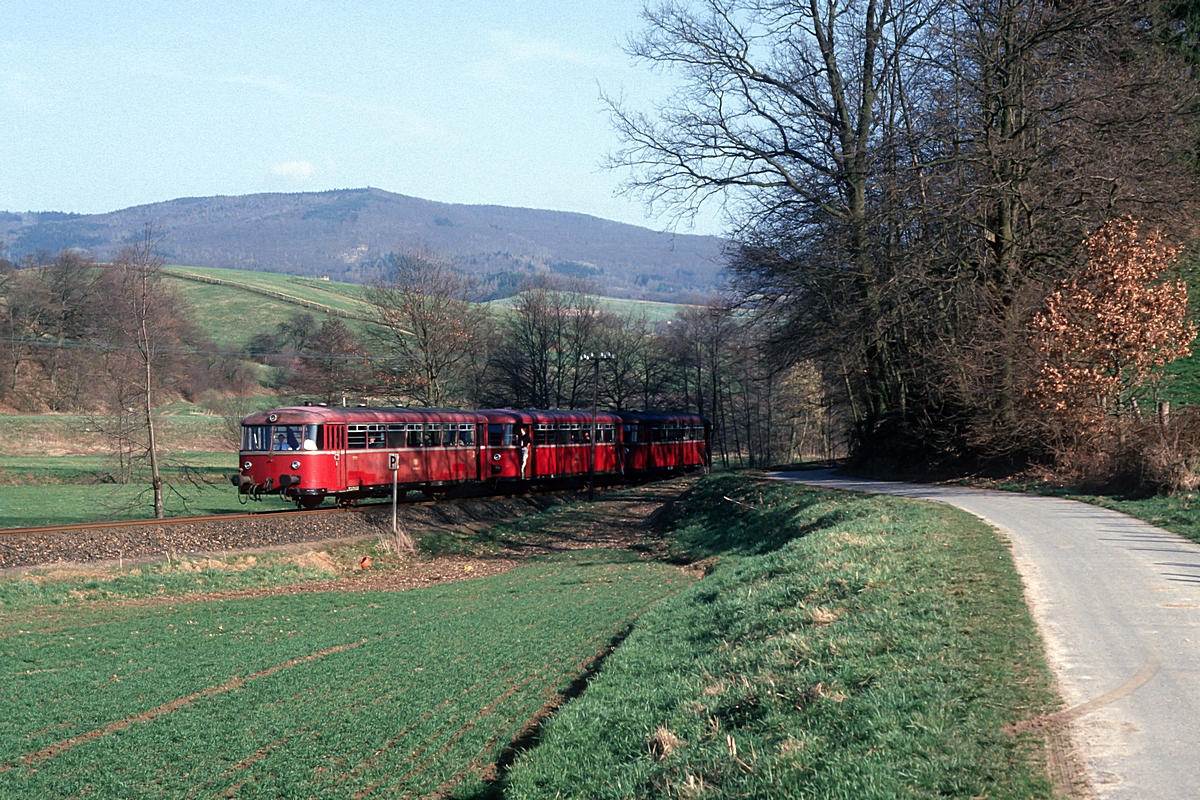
[281, 437]
[256, 437]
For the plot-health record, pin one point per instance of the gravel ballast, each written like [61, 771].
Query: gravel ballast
[148, 542]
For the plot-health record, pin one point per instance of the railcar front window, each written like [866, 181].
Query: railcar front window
[256, 437]
[499, 435]
[312, 438]
[287, 437]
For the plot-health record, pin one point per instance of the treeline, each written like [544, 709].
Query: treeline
[67, 346]
[912, 182]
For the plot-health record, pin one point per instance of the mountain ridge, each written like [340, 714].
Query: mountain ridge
[347, 233]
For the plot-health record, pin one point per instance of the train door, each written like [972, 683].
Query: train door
[335, 441]
[498, 452]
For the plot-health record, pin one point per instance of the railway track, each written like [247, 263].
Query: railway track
[257, 515]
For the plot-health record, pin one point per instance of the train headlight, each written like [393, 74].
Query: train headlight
[247, 465]
[295, 465]
[495, 456]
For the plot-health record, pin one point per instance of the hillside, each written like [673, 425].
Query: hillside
[343, 235]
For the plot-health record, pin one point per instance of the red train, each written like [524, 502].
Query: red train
[308, 453]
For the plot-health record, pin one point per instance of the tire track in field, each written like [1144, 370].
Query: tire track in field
[582, 670]
[527, 737]
[515, 685]
[63, 746]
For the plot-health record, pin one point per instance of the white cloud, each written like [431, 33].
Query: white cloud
[294, 170]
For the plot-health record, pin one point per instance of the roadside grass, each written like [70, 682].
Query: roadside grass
[319, 694]
[843, 646]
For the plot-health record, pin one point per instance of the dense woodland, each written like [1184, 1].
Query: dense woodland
[961, 236]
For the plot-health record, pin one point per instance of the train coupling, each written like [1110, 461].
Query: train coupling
[246, 485]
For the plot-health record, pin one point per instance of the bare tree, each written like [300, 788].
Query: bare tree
[142, 327]
[548, 329]
[435, 336]
[333, 365]
[907, 179]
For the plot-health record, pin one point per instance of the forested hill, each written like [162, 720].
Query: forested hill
[342, 234]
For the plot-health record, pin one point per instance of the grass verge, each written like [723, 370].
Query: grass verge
[843, 646]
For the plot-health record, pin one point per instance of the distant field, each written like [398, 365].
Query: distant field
[53, 471]
[328, 694]
[231, 314]
[653, 311]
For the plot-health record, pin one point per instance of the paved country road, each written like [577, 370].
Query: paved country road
[1118, 603]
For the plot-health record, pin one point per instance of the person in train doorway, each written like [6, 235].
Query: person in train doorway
[524, 441]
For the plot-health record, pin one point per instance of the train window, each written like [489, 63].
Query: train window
[466, 434]
[606, 433]
[287, 437]
[564, 433]
[585, 433]
[356, 437]
[395, 435]
[433, 435]
[412, 434]
[543, 434]
[376, 436]
[256, 437]
[629, 433]
[449, 434]
[499, 435]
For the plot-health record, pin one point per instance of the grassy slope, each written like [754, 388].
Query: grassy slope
[230, 315]
[843, 647]
[326, 694]
[653, 311]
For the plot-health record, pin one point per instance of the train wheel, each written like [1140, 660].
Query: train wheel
[309, 503]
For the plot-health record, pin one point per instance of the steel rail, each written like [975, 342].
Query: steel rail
[214, 518]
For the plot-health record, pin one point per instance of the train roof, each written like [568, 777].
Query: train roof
[661, 417]
[310, 415]
[528, 416]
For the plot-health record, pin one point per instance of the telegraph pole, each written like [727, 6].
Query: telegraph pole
[595, 358]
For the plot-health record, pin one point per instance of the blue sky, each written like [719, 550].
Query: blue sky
[108, 105]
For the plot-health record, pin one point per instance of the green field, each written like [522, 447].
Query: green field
[840, 646]
[230, 314]
[328, 694]
[844, 646]
[651, 310]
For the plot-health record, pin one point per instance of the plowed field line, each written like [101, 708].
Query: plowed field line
[146, 716]
[393, 740]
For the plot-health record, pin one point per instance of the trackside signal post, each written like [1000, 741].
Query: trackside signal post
[394, 466]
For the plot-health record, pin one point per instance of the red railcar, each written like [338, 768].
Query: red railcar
[308, 453]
